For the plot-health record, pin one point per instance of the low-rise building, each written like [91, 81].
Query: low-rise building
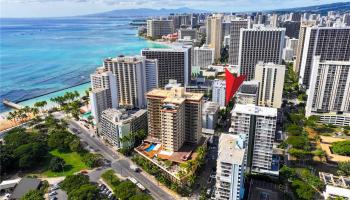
[25, 185]
[210, 115]
[336, 186]
[248, 93]
[187, 32]
[116, 124]
[219, 92]
[203, 56]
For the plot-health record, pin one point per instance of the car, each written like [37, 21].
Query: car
[110, 195]
[53, 198]
[209, 191]
[53, 193]
[55, 187]
[83, 171]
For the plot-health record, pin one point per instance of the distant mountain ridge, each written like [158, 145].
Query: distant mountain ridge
[149, 12]
[145, 12]
[322, 9]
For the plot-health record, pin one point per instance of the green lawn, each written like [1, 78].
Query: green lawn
[73, 164]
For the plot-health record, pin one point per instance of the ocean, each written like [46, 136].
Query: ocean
[44, 57]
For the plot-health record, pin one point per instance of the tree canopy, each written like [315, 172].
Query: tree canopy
[85, 192]
[341, 148]
[33, 195]
[72, 182]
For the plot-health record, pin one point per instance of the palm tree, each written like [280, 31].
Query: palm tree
[40, 105]
[35, 111]
[26, 109]
[11, 117]
[76, 94]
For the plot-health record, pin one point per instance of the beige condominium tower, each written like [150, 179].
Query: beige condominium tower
[174, 117]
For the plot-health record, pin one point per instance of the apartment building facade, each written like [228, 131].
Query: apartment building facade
[259, 44]
[173, 63]
[330, 43]
[159, 27]
[271, 82]
[230, 167]
[116, 124]
[258, 124]
[174, 116]
[135, 75]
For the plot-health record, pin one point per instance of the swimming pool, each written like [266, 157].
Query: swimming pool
[87, 115]
[150, 148]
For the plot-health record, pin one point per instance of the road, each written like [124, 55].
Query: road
[119, 164]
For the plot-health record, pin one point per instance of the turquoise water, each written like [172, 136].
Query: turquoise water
[42, 56]
[150, 148]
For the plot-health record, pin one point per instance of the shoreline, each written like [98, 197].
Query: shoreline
[18, 102]
[48, 95]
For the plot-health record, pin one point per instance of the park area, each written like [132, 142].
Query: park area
[73, 163]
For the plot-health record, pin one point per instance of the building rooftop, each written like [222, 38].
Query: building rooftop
[210, 107]
[173, 48]
[99, 70]
[252, 109]
[249, 87]
[97, 90]
[24, 186]
[229, 151]
[121, 115]
[173, 96]
[262, 190]
[126, 59]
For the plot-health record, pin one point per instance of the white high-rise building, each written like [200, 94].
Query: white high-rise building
[104, 92]
[259, 44]
[203, 56]
[271, 82]
[159, 27]
[301, 40]
[134, 76]
[230, 167]
[235, 29]
[258, 124]
[219, 92]
[330, 43]
[274, 20]
[329, 91]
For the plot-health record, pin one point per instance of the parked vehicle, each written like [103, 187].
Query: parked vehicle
[134, 168]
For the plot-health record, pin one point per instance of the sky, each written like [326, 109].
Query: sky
[60, 8]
